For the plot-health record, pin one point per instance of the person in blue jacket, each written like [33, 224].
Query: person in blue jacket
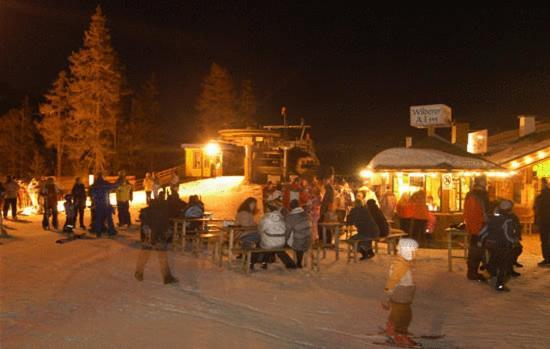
[103, 211]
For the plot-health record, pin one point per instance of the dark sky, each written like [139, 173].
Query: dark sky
[352, 72]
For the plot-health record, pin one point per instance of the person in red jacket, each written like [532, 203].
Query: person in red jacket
[476, 207]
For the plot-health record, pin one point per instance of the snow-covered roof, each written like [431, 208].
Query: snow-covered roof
[427, 159]
[508, 146]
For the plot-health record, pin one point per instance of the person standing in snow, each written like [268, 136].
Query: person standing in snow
[156, 186]
[502, 235]
[70, 214]
[420, 215]
[78, 193]
[155, 235]
[103, 211]
[299, 230]
[10, 197]
[476, 208]
[328, 214]
[148, 187]
[400, 290]
[124, 194]
[174, 182]
[542, 220]
[388, 203]
[367, 230]
[2, 192]
[405, 212]
[50, 193]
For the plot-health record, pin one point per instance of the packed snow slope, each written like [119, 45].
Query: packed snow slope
[83, 295]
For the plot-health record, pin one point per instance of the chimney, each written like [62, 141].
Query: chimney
[459, 134]
[526, 125]
[408, 142]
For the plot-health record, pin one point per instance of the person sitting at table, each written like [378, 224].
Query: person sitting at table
[360, 217]
[194, 209]
[273, 234]
[248, 236]
[299, 230]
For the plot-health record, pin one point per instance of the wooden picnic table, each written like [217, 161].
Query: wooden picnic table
[337, 229]
[451, 234]
[182, 221]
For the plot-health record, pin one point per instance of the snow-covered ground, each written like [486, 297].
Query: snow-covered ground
[83, 295]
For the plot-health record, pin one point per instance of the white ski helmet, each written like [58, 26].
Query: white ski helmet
[407, 247]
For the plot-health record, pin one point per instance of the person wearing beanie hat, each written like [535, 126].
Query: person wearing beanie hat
[400, 289]
[503, 242]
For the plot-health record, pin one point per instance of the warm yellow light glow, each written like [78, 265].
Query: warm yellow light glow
[515, 164]
[541, 154]
[528, 159]
[90, 179]
[417, 174]
[212, 149]
[366, 173]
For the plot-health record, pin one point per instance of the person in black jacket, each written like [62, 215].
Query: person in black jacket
[155, 234]
[79, 200]
[503, 234]
[360, 217]
[542, 220]
[378, 217]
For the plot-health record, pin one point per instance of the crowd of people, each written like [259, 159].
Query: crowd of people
[495, 234]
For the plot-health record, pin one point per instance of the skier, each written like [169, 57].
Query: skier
[124, 194]
[476, 206]
[103, 211]
[542, 220]
[10, 197]
[148, 187]
[50, 193]
[367, 229]
[503, 234]
[155, 235]
[70, 214]
[299, 230]
[400, 289]
[78, 193]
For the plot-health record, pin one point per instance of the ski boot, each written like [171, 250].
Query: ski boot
[170, 279]
[405, 341]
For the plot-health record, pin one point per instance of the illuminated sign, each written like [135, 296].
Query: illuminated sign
[434, 115]
[542, 169]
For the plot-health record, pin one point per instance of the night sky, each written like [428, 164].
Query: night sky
[352, 72]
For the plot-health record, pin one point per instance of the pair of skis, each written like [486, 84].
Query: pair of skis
[389, 342]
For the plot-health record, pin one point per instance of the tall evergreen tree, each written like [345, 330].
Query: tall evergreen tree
[247, 105]
[217, 105]
[140, 134]
[95, 96]
[55, 124]
[17, 140]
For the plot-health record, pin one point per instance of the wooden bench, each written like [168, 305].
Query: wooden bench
[311, 256]
[391, 240]
[206, 238]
